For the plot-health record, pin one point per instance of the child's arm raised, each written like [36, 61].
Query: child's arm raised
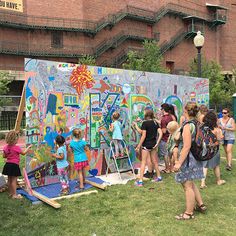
[137, 128]
[111, 127]
[23, 152]
[60, 156]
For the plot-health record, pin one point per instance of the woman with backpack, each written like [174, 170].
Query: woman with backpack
[227, 125]
[210, 120]
[187, 167]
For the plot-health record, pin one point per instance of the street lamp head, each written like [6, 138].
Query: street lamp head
[199, 40]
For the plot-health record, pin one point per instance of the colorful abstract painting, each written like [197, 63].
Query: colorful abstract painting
[60, 97]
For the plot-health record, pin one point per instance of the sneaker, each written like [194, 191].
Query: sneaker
[139, 183]
[157, 179]
[148, 175]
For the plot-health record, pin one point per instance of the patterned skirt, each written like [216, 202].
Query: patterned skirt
[190, 170]
[80, 165]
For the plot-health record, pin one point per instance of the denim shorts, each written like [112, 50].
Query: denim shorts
[162, 149]
[228, 142]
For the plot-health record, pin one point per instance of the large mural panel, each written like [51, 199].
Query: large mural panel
[61, 96]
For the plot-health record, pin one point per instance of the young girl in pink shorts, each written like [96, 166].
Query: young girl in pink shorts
[79, 147]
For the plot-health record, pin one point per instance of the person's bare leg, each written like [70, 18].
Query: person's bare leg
[219, 181]
[143, 164]
[81, 179]
[149, 164]
[14, 185]
[197, 194]
[225, 149]
[10, 187]
[189, 197]
[203, 181]
[116, 147]
[154, 160]
[121, 148]
[229, 150]
[84, 174]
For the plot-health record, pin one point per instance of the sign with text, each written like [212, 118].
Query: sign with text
[13, 5]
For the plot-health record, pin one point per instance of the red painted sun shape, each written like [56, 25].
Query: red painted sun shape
[81, 79]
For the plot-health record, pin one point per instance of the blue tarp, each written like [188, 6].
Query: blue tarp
[53, 190]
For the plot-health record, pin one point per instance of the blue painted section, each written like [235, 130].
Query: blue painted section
[53, 190]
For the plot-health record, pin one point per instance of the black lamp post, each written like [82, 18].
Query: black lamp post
[199, 42]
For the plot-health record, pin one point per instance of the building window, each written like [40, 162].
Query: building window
[171, 66]
[57, 39]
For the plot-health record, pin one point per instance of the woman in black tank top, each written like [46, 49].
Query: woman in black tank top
[148, 143]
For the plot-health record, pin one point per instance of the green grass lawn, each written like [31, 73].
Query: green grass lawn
[126, 210]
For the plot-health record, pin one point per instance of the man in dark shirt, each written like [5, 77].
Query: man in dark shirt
[166, 118]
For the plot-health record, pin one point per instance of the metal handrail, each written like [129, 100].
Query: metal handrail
[37, 49]
[35, 21]
[123, 35]
[31, 49]
[30, 21]
[165, 46]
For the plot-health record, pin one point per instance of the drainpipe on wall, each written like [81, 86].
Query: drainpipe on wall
[234, 106]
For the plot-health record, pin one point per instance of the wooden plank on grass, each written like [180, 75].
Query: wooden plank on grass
[100, 186]
[74, 195]
[38, 195]
[45, 199]
[27, 182]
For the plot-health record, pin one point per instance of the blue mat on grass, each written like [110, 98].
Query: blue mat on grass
[53, 190]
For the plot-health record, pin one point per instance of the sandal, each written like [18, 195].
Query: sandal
[201, 208]
[17, 196]
[221, 182]
[203, 186]
[183, 216]
[228, 167]
[166, 171]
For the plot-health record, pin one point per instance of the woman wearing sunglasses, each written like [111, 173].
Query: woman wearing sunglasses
[227, 124]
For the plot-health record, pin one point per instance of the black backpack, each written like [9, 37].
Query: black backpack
[204, 144]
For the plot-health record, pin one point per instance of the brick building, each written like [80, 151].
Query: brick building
[65, 30]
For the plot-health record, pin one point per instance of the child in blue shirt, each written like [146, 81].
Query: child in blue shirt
[62, 164]
[117, 137]
[79, 147]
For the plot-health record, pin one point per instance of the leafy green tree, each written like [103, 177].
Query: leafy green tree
[87, 60]
[148, 60]
[4, 89]
[220, 89]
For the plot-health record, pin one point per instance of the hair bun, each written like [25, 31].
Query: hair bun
[192, 109]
